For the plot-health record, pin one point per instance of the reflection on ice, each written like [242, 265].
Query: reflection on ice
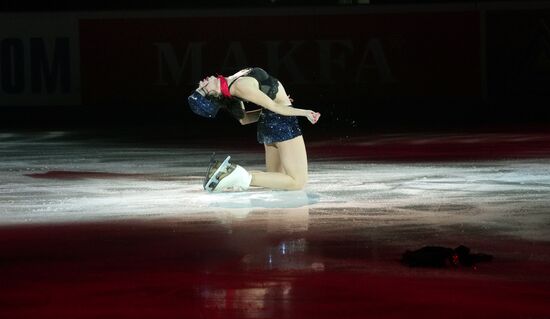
[125, 181]
[259, 199]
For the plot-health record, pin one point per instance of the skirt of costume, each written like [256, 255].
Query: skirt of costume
[273, 127]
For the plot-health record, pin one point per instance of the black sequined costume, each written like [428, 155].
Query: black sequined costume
[273, 127]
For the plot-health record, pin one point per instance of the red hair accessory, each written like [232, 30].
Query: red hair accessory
[223, 86]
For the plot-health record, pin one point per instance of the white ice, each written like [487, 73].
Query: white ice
[513, 195]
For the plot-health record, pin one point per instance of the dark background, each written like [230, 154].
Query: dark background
[61, 5]
[514, 95]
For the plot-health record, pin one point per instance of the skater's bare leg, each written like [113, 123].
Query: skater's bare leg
[293, 159]
[273, 159]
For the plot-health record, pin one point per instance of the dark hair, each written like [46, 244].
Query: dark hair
[231, 105]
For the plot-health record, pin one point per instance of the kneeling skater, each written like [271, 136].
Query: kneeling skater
[278, 130]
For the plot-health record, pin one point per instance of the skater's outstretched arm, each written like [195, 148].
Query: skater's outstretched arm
[255, 95]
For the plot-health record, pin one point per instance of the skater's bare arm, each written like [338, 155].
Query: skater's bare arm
[250, 117]
[254, 95]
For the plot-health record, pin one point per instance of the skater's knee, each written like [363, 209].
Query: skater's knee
[296, 187]
[297, 184]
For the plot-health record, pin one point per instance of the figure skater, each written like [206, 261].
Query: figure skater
[277, 129]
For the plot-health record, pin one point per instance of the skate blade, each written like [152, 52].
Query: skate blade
[212, 167]
[214, 180]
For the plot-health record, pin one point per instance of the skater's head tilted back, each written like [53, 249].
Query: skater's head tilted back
[213, 94]
[277, 126]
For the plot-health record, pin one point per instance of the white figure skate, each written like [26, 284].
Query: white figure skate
[225, 176]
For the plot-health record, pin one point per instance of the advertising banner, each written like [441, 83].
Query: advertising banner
[39, 60]
[321, 57]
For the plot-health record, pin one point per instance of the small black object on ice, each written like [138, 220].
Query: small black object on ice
[439, 257]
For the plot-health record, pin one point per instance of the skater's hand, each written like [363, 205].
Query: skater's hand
[312, 116]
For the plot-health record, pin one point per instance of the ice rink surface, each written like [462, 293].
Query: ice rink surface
[263, 253]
